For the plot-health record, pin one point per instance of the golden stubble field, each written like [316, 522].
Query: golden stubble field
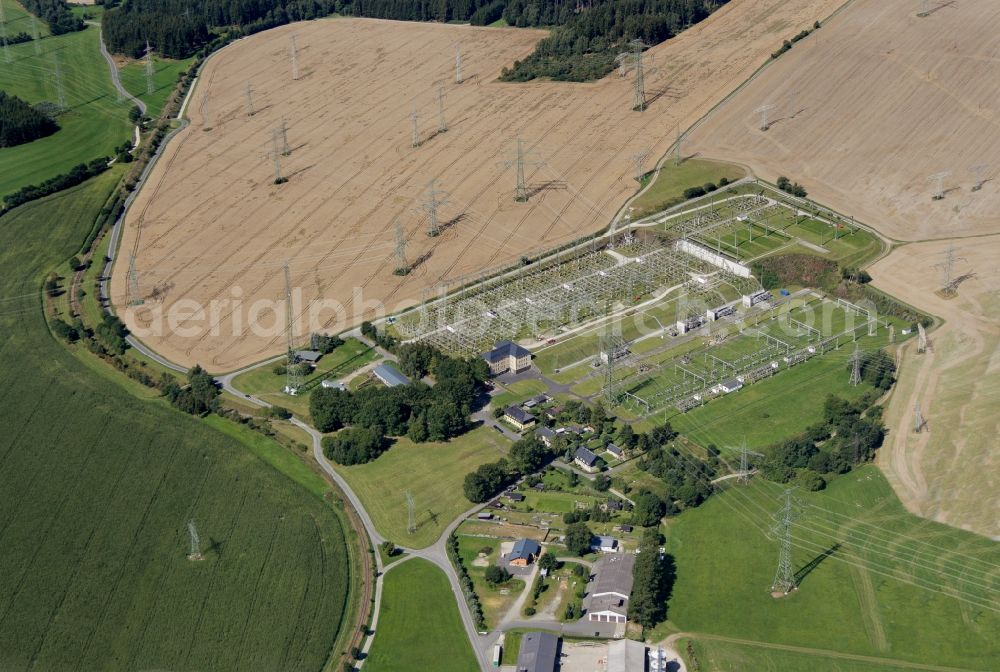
[211, 233]
[870, 106]
[951, 471]
[864, 111]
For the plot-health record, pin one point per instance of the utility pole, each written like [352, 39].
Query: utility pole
[948, 267]
[295, 59]
[276, 154]
[922, 342]
[939, 178]
[678, 158]
[442, 124]
[3, 33]
[519, 161]
[36, 36]
[133, 298]
[611, 347]
[918, 419]
[206, 123]
[979, 171]
[634, 60]
[639, 159]
[149, 69]
[856, 367]
[293, 379]
[784, 577]
[195, 548]
[402, 268]
[763, 112]
[283, 129]
[432, 201]
[415, 137]
[249, 94]
[458, 64]
[60, 93]
[411, 523]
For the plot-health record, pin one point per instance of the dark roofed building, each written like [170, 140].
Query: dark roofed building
[585, 458]
[546, 435]
[518, 417]
[311, 356]
[539, 652]
[515, 497]
[616, 451]
[507, 356]
[524, 552]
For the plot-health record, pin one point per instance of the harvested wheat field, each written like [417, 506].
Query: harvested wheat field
[870, 106]
[210, 225]
[950, 471]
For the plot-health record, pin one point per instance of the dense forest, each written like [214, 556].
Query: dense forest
[55, 13]
[586, 35]
[21, 123]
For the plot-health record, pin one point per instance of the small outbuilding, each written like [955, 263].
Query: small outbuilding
[389, 375]
[539, 652]
[546, 435]
[308, 356]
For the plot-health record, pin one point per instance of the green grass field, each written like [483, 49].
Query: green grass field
[889, 590]
[165, 75]
[668, 189]
[262, 382]
[95, 122]
[97, 487]
[433, 473]
[419, 626]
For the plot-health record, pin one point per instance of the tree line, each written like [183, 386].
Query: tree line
[78, 174]
[56, 14]
[582, 46]
[178, 28]
[21, 123]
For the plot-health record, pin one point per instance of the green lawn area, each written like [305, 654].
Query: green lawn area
[95, 122]
[668, 189]
[493, 598]
[890, 589]
[432, 472]
[165, 77]
[419, 626]
[97, 486]
[262, 382]
[726, 656]
[775, 408]
[515, 393]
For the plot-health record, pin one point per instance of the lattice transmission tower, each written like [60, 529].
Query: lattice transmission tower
[149, 69]
[856, 367]
[520, 160]
[433, 200]
[293, 375]
[784, 576]
[194, 552]
[411, 520]
[635, 60]
[402, 266]
[133, 298]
